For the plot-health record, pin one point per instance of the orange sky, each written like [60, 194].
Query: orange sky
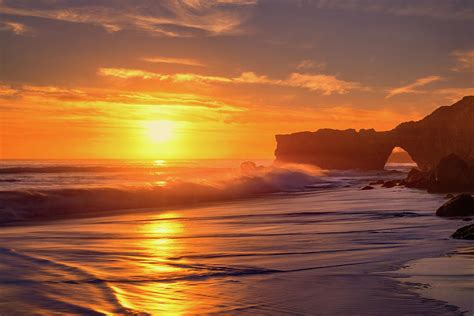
[218, 79]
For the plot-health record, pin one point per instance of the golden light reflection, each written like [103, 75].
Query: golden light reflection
[160, 183]
[159, 241]
[159, 298]
[159, 163]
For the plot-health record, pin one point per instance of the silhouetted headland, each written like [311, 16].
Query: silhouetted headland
[448, 130]
[441, 144]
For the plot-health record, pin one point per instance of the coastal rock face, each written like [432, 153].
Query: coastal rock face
[448, 130]
[461, 205]
[334, 149]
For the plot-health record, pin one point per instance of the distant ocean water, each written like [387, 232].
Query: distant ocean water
[212, 237]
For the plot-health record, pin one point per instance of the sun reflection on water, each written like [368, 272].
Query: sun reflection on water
[159, 163]
[161, 295]
[160, 183]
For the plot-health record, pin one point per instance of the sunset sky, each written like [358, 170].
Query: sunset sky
[218, 79]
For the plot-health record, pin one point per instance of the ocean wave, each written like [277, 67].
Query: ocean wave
[18, 205]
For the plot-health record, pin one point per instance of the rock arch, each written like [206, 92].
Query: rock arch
[399, 155]
[449, 129]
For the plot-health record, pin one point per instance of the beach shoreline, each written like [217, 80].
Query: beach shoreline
[291, 253]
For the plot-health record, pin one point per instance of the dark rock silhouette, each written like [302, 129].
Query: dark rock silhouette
[448, 130]
[392, 183]
[461, 205]
[417, 179]
[367, 187]
[466, 232]
[450, 175]
[335, 149]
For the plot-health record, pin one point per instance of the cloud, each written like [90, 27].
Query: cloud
[199, 78]
[411, 88]
[454, 94]
[15, 27]
[47, 94]
[326, 84]
[309, 64]
[7, 91]
[124, 73]
[170, 60]
[439, 9]
[465, 61]
[166, 18]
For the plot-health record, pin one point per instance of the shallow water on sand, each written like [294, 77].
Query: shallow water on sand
[324, 252]
[448, 278]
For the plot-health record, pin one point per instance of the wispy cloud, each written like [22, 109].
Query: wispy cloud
[464, 60]
[7, 91]
[167, 17]
[326, 84]
[411, 88]
[454, 94]
[131, 73]
[40, 94]
[439, 9]
[309, 64]
[15, 27]
[170, 60]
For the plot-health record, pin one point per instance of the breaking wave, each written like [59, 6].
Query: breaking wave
[24, 204]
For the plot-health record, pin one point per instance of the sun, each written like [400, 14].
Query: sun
[160, 131]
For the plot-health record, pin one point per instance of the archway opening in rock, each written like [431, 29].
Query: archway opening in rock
[399, 156]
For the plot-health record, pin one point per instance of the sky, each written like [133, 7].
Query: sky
[183, 79]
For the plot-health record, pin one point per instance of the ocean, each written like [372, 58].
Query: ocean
[194, 237]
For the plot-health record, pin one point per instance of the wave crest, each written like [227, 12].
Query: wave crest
[72, 202]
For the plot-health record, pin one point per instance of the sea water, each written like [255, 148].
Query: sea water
[211, 237]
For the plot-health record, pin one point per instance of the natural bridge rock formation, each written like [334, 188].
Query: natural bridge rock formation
[448, 130]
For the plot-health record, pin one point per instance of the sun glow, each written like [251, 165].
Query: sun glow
[160, 131]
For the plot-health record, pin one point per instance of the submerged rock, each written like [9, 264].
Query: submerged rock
[368, 187]
[461, 205]
[466, 232]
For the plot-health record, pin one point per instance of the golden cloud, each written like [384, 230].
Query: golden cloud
[169, 60]
[326, 84]
[15, 27]
[411, 88]
[465, 61]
